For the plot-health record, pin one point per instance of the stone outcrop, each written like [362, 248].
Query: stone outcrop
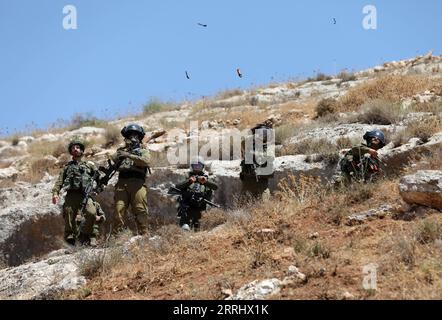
[423, 188]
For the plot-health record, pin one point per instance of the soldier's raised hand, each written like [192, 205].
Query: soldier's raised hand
[192, 179]
[373, 153]
[55, 199]
[202, 179]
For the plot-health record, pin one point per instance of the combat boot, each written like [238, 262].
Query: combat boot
[70, 240]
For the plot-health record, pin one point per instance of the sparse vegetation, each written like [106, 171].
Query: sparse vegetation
[112, 136]
[320, 77]
[389, 88]
[346, 77]
[284, 132]
[325, 107]
[156, 106]
[322, 147]
[428, 231]
[424, 129]
[80, 120]
[15, 140]
[380, 112]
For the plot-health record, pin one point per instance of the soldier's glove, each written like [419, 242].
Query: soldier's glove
[202, 179]
[373, 153]
[192, 179]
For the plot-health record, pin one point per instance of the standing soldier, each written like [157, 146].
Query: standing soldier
[257, 164]
[132, 163]
[196, 192]
[361, 163]
[81, 222]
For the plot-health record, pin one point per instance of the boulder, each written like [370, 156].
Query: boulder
[423, 188]
[41, 280]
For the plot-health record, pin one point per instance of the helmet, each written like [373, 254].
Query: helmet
[133, 128]
[76, 142]
[197, 164]
[375, 134]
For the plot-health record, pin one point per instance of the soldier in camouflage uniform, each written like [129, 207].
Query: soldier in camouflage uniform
[361, 163]
[196, 187]
[75, 176]
[132, 163]
[256, 174]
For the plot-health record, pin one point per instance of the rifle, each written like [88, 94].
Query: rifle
[174, 190]
[113, 168]
[87, 193]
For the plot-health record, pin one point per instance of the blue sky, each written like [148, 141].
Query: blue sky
[125, 52]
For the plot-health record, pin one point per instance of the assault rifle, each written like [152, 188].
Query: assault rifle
[133, 148]
[197, 198]
[89, 190]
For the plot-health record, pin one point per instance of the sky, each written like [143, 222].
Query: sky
[123, 53]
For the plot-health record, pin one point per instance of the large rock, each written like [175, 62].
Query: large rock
[423, 188]
[42, 279]
[29, 224]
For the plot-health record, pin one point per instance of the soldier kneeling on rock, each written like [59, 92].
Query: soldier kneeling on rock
[196, 192]
[81, 221]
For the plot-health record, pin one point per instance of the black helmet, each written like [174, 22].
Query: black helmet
[375, 134]
[76, 142]
[125, 132]
[198, 164]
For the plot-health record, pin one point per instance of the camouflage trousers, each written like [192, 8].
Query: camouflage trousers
[88, 227]
[254, 188]
[191, 217]
[131, 193]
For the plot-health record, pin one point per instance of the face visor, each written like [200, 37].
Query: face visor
[198, 167]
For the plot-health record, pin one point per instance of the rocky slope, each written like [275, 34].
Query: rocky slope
[31, 227]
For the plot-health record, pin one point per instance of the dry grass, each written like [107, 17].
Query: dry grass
[200, 266]
[390, 88]
[322, 147]
[424, 129]
[431, 107]
[325, 107]
[380, 112]
[156, 106]
[112, 136]
[285, 132]
[226, 94]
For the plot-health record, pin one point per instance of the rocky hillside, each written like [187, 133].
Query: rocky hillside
[307, 240]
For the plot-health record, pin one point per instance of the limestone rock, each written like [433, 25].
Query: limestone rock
[257, 290]
[423, 188]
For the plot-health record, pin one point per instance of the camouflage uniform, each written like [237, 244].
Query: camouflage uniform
[74, 177]
[190, 210]
[357, 163]
[361, 163]
[131, 189]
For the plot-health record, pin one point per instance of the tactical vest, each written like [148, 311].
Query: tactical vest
[77, 176]
[127, 165]
[195, 193]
